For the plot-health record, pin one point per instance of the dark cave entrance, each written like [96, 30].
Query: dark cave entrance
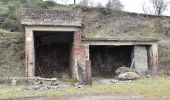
[53, 53]
[106, 59]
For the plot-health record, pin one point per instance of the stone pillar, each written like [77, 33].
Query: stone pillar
[88, 73]
[85, 53]
[86, 65]
[29, 53]
[76, 54]
[153, 58]
[140, 59]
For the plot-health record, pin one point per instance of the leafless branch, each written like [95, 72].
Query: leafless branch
[158, 6]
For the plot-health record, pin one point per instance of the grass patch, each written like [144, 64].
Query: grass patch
[148, 87]
[12, 68]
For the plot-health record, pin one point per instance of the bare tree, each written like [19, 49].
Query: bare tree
[64, 2]
[156, 7]
[146, 9]
[159, 6]
[91, 3]
[99, 5]
[84, 2]
[74, 1]
[114, 4]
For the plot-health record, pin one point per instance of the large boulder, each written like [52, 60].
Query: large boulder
[124, 69]
[121, 70]
[128, 76]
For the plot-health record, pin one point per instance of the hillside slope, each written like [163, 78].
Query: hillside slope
[97, 23]
[12, 54]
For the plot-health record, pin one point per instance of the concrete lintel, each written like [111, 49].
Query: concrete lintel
[144, 39]
[117, 43]
[52, 28]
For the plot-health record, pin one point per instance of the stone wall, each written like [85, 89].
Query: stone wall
[164, 58]
[50, 17]
[140, 58]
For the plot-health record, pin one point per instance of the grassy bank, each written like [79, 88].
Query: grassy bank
[147, 87]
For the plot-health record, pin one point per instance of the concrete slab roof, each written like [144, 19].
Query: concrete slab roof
[123, 39]
[49, 17]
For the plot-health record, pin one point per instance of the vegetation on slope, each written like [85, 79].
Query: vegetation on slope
[97, 22]
[11, 15]
[12, 54]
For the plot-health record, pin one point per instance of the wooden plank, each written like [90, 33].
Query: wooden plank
[48, 79]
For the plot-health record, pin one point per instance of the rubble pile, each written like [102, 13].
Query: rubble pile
[125, 73]
[46, 83]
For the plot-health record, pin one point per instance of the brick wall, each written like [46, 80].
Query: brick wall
[83, 66]
[76, 54]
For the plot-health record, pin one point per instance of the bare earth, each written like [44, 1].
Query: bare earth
[99, 97]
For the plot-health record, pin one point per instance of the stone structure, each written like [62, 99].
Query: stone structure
[140, 58]
[143, 50]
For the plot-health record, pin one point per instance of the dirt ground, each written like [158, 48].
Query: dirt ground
[99, 97]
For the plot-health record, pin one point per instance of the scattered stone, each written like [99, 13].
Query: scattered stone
[76, 84]
[40, 87]
[148, 76]
[19, 89]
[128, 76]
[80, 86]
[47, 86]
[46, 83]
[54, 83]
[109, 81]
[63, 85]
[105, 81]
[33, 87]
[125, 81]
[52, 87]
[114, 81]
[13, 82]
[121, 70]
